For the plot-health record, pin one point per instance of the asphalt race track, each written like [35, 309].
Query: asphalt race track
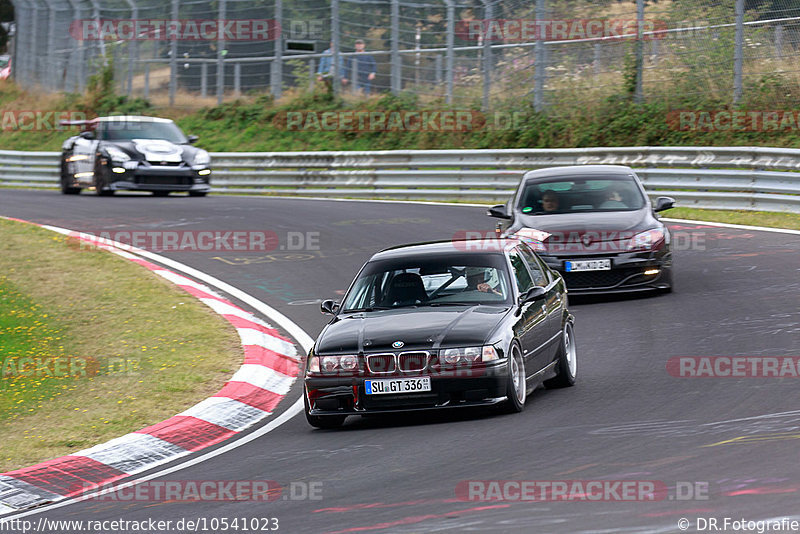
[733, 441]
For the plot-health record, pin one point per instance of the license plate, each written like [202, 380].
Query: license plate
[587, 265]
[397, 385]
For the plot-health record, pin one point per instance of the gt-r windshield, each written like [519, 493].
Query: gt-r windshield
[467, 280]
[574, 195]
[130, 130]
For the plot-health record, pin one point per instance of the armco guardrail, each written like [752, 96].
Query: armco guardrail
[750, 178]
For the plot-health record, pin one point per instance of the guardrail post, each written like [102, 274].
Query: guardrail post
[451, 30]
[639, 96]
[173, 58]
[276, 74]
[539, 71]
[738, 52]
[396, 68]
[204, 79]
[779, 41]
[237, 78]
[335, 38]
[221, 53]
[487, 57]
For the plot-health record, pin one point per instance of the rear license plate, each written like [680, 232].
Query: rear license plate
[397, 385]
[587, 265]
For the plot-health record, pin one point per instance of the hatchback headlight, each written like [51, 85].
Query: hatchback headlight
[647, 240]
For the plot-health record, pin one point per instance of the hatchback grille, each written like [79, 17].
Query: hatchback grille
[601, 279]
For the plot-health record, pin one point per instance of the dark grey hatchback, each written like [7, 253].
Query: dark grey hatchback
[441, 325]
[595, 225]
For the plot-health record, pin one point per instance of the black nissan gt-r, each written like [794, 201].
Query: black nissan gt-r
[133, 153]
[441, 325]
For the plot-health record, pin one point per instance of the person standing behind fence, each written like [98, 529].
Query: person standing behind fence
[325, 69]
[364, 66]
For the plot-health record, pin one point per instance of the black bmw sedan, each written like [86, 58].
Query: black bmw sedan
[441, 325]
[595, 225]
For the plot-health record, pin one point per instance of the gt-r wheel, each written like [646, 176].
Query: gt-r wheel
[323, 421]
[67, 189]
[567, 361]
[101, 180]
[517, 388]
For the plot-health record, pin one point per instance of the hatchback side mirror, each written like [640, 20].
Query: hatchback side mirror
[329, 307]
[192, 139]
[88, 135]
[664, 203]
[499, 212]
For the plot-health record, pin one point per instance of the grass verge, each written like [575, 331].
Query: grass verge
[95, 346]
[769, 219]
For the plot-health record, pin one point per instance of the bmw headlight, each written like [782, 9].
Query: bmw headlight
[117, 155]
[487, 353]
[202, 158]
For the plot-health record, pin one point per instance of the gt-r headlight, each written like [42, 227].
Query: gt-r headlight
[117, 155]
[486, 353]
[202, 158]
[647, 240]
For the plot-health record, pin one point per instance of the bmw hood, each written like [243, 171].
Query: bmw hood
[421, 328]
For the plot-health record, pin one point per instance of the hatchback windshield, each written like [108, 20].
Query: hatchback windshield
[571, 195]
[130, 130]
[468, 280]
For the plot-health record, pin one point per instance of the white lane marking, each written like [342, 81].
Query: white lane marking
[264, 378]
[226, 308]
[293, 410]
[294, 330]
[250, 336]
[133, 453]
[736, 226]
[227, 413]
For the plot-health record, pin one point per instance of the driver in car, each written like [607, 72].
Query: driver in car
[476, 277]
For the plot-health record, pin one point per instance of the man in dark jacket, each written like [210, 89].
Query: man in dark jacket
[364, 66]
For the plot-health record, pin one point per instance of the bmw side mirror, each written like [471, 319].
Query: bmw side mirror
[329, 307]
[532, 294]
[664, 203]
[88, 135]
[192, 139]
[498, 212]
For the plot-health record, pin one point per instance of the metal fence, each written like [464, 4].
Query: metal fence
[748, 178]
[462, 51]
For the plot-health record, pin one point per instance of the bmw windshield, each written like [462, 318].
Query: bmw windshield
[466, 280]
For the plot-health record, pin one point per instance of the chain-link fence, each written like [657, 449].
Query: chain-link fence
[463, 52]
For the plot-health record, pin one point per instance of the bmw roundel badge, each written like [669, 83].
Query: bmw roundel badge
[398, 344]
